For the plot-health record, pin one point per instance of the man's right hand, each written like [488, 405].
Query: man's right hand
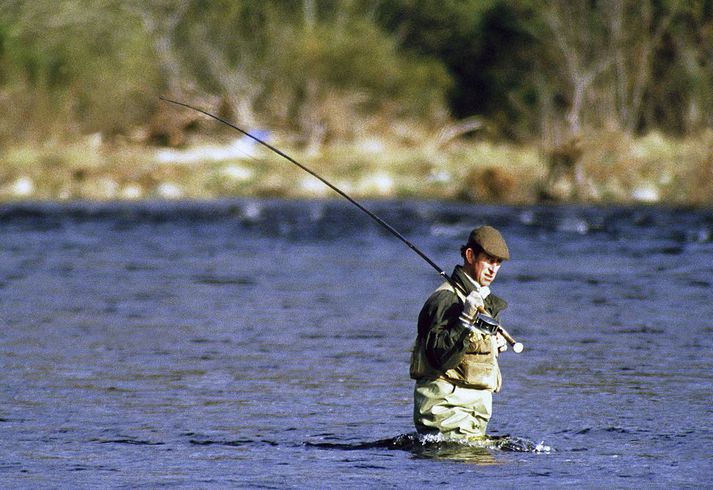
[471, 305]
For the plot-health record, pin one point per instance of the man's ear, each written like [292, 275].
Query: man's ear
[469, 255]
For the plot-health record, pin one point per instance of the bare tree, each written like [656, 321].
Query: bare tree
[602, 58]
[237, 77]
[161, 19]
[573, 40]
[635, 33]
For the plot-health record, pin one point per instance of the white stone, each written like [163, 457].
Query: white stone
[372, 145]
[132, 191]
[23, 187]
[107, 187]
[380, 182]
[237, 173]
[314, 187]
[169, 190]
[239, 149]
[645, 193]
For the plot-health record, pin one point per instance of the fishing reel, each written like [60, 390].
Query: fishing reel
[485, 323]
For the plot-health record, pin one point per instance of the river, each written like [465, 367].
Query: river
[265, 344]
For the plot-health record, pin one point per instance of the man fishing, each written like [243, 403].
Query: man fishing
[455, 363]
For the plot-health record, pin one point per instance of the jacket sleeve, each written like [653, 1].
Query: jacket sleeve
[445, 338]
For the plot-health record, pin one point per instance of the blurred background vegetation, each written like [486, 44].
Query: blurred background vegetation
[486, 100]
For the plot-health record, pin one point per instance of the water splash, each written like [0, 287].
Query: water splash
[437, 446]
[502, 443]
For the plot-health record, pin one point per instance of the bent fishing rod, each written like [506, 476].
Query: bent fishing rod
[517, 346]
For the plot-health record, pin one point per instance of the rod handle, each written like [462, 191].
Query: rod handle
[517, 347]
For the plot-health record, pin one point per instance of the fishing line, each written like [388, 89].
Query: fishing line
[517, 347]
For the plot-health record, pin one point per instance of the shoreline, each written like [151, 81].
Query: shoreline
[663, 173]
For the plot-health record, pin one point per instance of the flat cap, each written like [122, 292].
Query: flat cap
[490, 240]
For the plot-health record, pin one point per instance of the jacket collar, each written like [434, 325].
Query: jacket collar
[495, 303]
[461, 277]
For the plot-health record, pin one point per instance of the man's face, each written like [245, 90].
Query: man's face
[485, 267]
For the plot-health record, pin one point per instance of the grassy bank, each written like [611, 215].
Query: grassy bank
[617, 169]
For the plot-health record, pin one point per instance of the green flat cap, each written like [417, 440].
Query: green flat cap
[490, 240]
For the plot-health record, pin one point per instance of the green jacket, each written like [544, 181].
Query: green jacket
[445, 349]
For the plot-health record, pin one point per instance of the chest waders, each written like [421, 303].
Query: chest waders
[456, 403]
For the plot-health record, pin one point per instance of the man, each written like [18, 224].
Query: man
[455, 364]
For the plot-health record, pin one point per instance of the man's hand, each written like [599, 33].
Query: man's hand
[471, 305]
[501, 343]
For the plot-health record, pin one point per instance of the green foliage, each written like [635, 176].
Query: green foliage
[452, 31]
[358, 57]
[66, 64]
[342, 69]
[325, 70]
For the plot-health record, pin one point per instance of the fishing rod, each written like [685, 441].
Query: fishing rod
[517, 346]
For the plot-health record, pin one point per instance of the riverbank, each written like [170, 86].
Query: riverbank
[609, 169]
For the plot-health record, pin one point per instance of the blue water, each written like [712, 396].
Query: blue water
[264, 344]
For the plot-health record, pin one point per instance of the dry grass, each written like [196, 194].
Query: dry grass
[619, 169]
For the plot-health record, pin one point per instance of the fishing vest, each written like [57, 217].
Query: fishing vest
[478, 369]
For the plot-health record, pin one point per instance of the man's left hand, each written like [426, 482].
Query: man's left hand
[501, 343]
